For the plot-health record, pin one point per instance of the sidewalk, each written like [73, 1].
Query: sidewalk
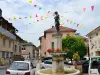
[3, 67]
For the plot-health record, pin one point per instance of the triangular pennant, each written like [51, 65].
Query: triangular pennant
[37, 20]
[70, 22]
[92, 7]
[84, 9]
[67, 20]
[20, 18]
[30, 1]
[35, 5]
[36, 15]
[40, 8]
[25, 17]
[48, 12]
[30, 16]
[14, 18]
[77, 25]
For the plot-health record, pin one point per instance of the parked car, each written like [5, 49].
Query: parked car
[94, 65]
[46, 64]
[47, 58]
[21, 68]
[85, 66]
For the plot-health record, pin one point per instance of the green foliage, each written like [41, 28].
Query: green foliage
[76, 56]
[74, 44]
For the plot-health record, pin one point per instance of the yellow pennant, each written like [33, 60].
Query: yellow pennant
[14, 18]
[30, 1]
[30, 16]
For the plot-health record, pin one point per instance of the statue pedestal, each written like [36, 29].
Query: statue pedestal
[58, 58]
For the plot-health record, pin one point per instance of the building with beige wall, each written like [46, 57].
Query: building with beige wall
[46, 41]
[94, 42]
[28, 50]
[7, 37]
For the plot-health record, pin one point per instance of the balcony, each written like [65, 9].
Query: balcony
[7, 33]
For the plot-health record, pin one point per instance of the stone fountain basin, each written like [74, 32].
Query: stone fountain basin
[67, 71]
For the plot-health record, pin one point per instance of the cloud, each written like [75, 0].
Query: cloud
[67, 9]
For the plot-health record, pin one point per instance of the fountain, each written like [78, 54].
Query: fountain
[58, 56]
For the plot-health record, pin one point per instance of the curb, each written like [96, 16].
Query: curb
[2, 67]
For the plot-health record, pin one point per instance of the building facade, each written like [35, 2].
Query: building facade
[28, 50]
[17, 45]
[94, 42]
[7, 37]
[47, 42]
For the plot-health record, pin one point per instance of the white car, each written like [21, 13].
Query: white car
[46, 64]
[21, 68]
[94, 65]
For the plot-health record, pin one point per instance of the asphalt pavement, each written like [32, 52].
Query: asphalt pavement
[2, 71]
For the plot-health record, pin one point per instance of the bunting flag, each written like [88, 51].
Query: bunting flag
[84, 9]
[77, 25]
[92, 7]
[20, 18]
[35, 5]
[70, 22]
[40, 8]
[37, 20]
[14, 18]
[48, 12]
[41, 17]
[77, 10]
[25, 17]
[36, 15]
[30, 16]
[67, 20]
[30, 1]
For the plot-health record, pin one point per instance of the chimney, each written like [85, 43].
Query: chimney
[0, 13]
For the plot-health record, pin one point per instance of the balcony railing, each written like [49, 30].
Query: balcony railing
[7, 33]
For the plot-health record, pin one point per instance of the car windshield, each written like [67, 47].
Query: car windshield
[47, 62]
[95, 62]
[19, 66]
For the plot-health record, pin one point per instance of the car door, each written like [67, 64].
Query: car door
[85, 66]
[32, 69]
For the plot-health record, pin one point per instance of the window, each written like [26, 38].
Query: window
[3, 54]
[7, 54]
[52, 45]
[15, 48]
[19, 49]
[9, 43]
[4, 42]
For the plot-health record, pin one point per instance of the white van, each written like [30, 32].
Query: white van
[94, 65]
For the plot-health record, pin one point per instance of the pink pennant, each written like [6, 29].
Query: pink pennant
[35, 5]
[84, 9]
[77, 25]
[48, 12]
[92, 7]
[20, 18]
[36, 15]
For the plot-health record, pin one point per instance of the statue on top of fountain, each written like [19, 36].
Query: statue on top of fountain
[57, 23]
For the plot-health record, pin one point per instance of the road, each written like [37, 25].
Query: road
[2, 71]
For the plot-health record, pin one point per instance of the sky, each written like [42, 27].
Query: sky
[33, 17]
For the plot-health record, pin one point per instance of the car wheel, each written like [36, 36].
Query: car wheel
[43, 67]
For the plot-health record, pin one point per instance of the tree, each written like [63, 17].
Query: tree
[74, 44]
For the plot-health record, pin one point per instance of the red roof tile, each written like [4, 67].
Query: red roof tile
[62, 29]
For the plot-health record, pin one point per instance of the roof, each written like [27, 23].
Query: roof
[29, 44]
[2, 19]
[18, 37]
[62, 29]
[94, 31]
